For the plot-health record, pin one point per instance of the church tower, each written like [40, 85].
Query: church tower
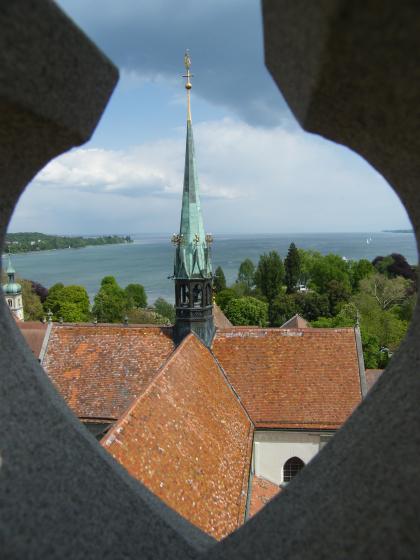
[13, 293]
[193, 272]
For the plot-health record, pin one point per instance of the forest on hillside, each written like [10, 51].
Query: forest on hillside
[24, 242]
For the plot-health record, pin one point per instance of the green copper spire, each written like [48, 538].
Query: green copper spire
[11, 287]
[192, 258]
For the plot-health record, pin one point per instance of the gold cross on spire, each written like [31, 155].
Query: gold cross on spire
[188, 85]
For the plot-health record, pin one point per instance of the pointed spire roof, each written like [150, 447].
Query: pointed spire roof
[11, 287]
[193, 253]
[10, 269]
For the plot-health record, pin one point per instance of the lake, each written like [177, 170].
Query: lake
[149, 260]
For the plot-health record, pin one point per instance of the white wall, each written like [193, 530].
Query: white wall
[273, 448]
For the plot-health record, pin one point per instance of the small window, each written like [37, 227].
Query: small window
[10, 302]
[291, 468]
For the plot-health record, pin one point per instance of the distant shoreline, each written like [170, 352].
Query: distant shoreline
[397, 231]
[34, 242]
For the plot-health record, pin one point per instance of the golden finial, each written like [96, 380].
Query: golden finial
[188, 85]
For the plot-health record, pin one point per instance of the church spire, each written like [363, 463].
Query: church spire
[192, 268]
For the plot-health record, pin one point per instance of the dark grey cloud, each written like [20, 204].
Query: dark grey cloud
[224, 37]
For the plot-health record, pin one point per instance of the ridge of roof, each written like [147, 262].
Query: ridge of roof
[161, 421]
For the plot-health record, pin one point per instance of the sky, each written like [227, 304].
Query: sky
[258, 171]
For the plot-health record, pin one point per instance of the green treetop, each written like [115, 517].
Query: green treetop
[292, 268]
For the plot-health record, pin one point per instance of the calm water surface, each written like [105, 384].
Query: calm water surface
[149, 260]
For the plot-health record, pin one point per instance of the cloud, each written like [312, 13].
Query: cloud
[147, 40]
[252, 179]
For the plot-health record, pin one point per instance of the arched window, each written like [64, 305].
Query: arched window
[10, 302]
[291, 468]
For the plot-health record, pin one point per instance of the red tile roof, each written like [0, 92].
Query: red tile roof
[293, 378]
[372, 376]
[262, 491]
[188, 439]
[34, 334]
[100, 369]
[220, 319]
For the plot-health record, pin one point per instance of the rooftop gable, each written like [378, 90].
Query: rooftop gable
[100, 369]
[292, 378]
[189, 440]
[295, 322]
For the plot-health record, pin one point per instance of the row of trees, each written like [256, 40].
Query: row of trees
[112, 304]
[23, 242]
[327, 291]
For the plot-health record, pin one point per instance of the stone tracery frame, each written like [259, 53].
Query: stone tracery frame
[349, 72]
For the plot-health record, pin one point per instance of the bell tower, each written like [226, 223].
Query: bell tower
[193, 272]
[13, 292]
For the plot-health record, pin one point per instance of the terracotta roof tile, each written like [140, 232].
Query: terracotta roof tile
[188, 439]
[34, 334]
[262, 491]
[220, 319]
[372, 376]
[100, 369]
[292, 378]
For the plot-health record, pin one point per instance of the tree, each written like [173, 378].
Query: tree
[70, 303]
[282, 308]
[312, 305]
[292, 268]
[219, 282]
[165, 309]
[386, 291]
[338, 293]
[246, 274]
[359, 270]
[247, 311]
[269, 275]
[140, 316]
[223, 298]
[40, 290]
[110, 304]
[136, 296]
[32, 306]
[52, 301]
[327, 268]
[394, 265]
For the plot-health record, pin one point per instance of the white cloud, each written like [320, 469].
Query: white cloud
[252, 180]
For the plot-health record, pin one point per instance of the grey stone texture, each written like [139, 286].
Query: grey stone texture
[61, 495]
[349, 70]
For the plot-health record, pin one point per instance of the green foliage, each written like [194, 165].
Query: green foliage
[136, 296]
[32, 306]
[386, 291]
[219, 282]
[223, 298]
[247, 311]
[165, 309]
[70, 303]
[311, 305]
[281, 309]
[110, 304]
[394, 265]
[327, 268]
[359, 270]
[269, 275]
[292, 268]
[33, 241]
[338, 294]
[140, 316]
[246, 274]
